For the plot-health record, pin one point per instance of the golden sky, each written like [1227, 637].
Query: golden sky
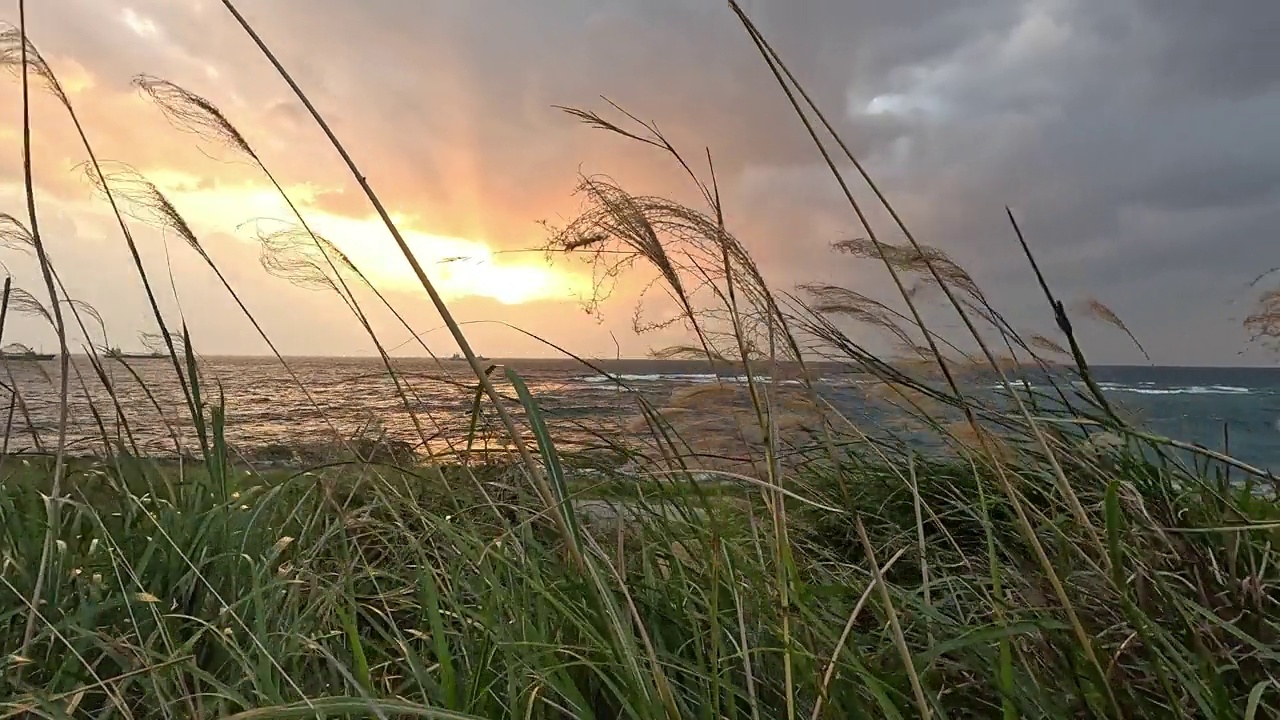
[476, 233]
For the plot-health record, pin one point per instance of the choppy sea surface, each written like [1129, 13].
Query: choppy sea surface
[267, 405]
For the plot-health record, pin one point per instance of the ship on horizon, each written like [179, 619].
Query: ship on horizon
[18, 351]
[118, 354]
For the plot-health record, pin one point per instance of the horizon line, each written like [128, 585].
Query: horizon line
[252, 356]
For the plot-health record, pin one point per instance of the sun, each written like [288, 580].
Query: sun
[457, 267]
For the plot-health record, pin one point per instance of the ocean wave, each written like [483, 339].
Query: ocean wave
[1144, 388]
[690, 378]
[1147, 389]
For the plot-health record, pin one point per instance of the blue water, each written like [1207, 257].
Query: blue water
[1224, 409]
[1221, 408]
[1231, 409]
[1237, 409]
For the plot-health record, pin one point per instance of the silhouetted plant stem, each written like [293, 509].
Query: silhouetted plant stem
[53, 501]
[1064, 323]
[13, 391]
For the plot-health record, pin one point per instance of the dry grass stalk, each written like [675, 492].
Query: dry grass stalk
[28, 61]
[930, 264]
[1094, 308]
[298, 256]
[14, 235]
[1043, 343]
[1263, 324]
[836, 300]
[146, 202]
[24, 302]
[17, 52]
[689, 250]
[191, 113]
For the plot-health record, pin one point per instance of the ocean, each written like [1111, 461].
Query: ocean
[268, 412]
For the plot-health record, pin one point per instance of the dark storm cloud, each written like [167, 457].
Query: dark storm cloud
[1215, 48]
[1135, 138]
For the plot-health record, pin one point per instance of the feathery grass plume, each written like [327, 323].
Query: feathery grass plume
[717, 289]
[14, 235]
[1044, 343]
[297, 239]
[1263, 324]
[155, 342]
[614, 215]
[146, 202]
[836, 300]
[687, 352]
[931, 266]
[192, 113]
[929, 263]
[715, 246]
[306, 258]
[1096, 309]
[687, 248]
[24, 302]
[13, 58]
[301, 271]
[741, 302]
[290, 254]
[79, 307]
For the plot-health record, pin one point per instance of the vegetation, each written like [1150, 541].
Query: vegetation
[1049, 560]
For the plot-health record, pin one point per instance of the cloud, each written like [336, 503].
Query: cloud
[1133, 138]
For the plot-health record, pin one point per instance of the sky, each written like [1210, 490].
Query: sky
[1134, 139]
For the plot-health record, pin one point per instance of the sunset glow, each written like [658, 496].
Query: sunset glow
[458, 267]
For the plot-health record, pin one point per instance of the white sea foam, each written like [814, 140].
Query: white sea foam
[660, 377]
[690, 378]
[1146, 389]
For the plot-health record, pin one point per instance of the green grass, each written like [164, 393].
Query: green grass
[1048, 561]
[360, 582]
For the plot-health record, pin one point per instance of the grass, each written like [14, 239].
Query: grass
[1047, 560]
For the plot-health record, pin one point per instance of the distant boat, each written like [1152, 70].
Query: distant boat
[458, 356]
[28, 355]
[118, 354]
